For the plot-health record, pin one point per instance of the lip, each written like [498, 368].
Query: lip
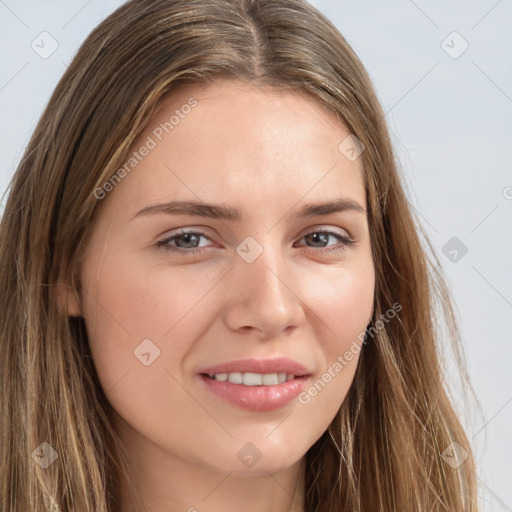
[252, 365]
[257, 398]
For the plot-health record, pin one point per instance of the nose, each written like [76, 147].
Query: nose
[265, 299]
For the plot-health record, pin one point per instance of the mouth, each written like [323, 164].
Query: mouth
[253, 391]
[253, 379]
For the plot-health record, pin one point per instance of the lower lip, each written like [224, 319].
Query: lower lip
[256, 398]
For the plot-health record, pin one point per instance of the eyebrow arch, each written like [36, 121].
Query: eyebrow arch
[226, 212]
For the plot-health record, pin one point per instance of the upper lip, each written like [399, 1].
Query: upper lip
[275, 365]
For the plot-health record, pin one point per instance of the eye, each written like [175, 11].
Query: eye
[186, 242]
[189, 237]
[325, 234]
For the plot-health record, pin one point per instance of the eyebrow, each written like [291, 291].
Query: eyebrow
[226, 212]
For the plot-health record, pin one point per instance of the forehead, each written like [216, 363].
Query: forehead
[243, 143]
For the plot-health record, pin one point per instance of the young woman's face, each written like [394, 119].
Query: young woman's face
[162, 307]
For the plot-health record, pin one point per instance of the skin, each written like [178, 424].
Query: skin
[267, 153]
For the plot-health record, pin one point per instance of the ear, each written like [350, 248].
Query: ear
[66, 299]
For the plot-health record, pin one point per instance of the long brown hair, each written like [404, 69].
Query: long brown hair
[384, 450]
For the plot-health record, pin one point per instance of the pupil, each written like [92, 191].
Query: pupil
[317, 236]
[186, 237]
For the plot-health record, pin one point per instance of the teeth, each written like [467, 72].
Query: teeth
[254, 379]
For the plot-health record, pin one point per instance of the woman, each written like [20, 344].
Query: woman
[250, 372]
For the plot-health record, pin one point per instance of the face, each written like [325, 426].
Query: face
[168, 293]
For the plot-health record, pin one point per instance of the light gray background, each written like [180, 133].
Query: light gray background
[450, 118]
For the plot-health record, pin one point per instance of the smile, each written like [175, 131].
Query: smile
[253, 379]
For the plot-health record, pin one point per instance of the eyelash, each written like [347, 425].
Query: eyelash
[164, 244]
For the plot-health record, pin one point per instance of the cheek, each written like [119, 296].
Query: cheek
[127, 302]
[349, 311]
[342, 299]
[140, 322]
[343, 306]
